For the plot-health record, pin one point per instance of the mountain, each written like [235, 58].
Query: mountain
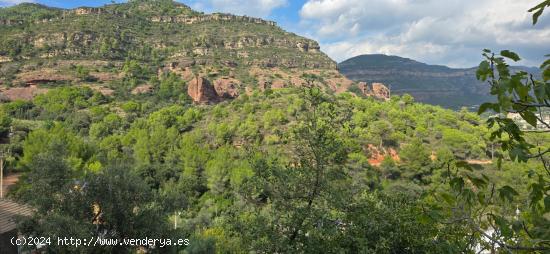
[433, 84]
[46, 46]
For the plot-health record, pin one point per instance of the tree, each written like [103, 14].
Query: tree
[484, 205]
[5, 123]
[171, 87]
[114, 203]
[83, 73]
[417, 163]
[304, 193]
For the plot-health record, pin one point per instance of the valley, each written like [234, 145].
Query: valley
[148, 119]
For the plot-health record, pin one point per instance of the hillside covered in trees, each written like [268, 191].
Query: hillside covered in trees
[273, 152]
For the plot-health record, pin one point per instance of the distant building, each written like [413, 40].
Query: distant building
[9, 210]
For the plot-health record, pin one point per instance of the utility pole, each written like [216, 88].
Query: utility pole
[176, 215]
[2, 176]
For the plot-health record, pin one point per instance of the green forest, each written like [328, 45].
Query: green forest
[289, 170]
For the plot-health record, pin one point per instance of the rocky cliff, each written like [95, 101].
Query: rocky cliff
[118, 30]
[163, 36]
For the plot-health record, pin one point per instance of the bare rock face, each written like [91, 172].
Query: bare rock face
[227, 88]
[201, 91]
[22, 93]
[339, 84]
[377, 90]
[43, 76]
[187, 74]
[363, 87]
[278, 84]
[143, 89]
[380, 91]
[88, 11]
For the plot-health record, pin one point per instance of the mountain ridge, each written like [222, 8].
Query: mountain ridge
[40, 45]
[434, 84]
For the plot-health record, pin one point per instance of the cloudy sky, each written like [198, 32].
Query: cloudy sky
[449, 32]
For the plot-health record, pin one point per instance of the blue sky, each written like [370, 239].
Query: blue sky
[448, 32]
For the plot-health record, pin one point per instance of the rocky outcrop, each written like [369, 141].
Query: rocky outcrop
[143, 89]
[22, 93]
[10, 22]
[363, 87]
[308, 47]
[83, 38]
[380, 91]
[87, 11]
[42, 76]
[186, 19]
[227, 88]
[339, 84]
[377, 90]
[278, 84]
[201, 91]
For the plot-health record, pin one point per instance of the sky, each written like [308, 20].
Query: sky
[446, 32]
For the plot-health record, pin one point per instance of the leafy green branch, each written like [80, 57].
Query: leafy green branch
[470, 197]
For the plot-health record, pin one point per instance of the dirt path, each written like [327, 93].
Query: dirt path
[10, 180]
[480, 162]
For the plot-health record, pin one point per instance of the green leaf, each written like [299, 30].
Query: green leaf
[529, 117]
[481, 198]
[450, 199]
[485, 106]
[539, 10]
[457, 184]
[537, 192]
[537, 14]
[511, 55]
[503, 225]
[541, 92]
[435, 213]
[483, 70]
[476, 181]
[546, 74]
[507, 193]
[485, 177]
[547, 204]
[517, 226]
[518, 152]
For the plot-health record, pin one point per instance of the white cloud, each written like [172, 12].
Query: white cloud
[255, 8]
[14, 2]
[449, 32]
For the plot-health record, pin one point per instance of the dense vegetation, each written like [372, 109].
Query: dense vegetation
[278, 171]
[291, 170]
